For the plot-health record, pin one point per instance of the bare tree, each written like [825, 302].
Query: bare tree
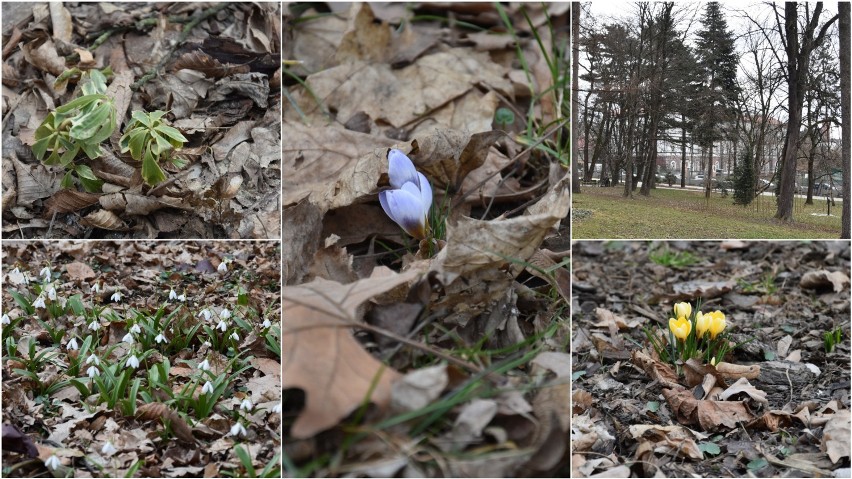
[575, 105]
[845, 159]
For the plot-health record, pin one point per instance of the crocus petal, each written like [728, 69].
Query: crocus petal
[400, 169]
[425, 194]
[405, 209]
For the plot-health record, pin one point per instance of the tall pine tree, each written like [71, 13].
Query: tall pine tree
[717, 64]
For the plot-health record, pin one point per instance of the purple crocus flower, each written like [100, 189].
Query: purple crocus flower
[410, 198]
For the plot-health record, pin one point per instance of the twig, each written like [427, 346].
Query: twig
[181, 39]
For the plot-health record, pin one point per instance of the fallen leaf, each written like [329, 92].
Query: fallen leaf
[667, 440]
[691, 290]
[419, 388]
[79, 271]
[823, 279]
[835, 436]
[742, 386]
[709, 415]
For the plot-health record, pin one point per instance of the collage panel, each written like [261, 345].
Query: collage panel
[710, 359]
[426, 240]
[141, 359]
[694, 121]
[141, 120]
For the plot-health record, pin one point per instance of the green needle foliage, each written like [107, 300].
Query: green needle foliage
[80, 125]
[149, 139]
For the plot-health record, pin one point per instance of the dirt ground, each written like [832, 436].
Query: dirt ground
[213, 67]
[784, 295]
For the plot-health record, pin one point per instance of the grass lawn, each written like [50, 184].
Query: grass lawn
[670, 213]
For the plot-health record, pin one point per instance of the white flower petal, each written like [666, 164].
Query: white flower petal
[400, 169]
[52, 462]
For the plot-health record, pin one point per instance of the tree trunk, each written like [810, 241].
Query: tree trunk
[575, 104]
[845, 159]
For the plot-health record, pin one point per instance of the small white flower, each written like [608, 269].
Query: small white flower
[172, 294]
[95, 325]
[223, 268]
[45, 272]
[206, 313]
[96, 288]
[51, 293]
[116, 296]
[204, 366]
[135, 329]
[222, 325]
[93, 359]
[132, 362]
[225, 314]
[73, 344]
[246, 405]
[235, 336]
[93, 371]
[108, 449]
[128, 338]
[207, 388]
[207, 344]
[39, 303]
[52, 462]
[6, 319]
[237, 430]
[161, 338]
[277, 408]
[266, 324]
[182, 297]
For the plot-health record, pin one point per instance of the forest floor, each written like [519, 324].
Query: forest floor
[601, 213]
[213, 68]
[141, 359]
[448, 356]
[790, 418]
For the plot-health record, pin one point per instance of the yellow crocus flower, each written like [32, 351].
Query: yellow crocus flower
[717, 323]
[702, 323]
[683, 310]
[680, 328]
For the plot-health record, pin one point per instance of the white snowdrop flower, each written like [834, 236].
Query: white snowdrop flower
[204, 366]
[161, 338]
[225, 314]
[73, 344]
[223, 268]
[52, 462]
[235, 336]
[96, 288]
[246, 405]
[207, 388]
[172, 294]
[116, 296]
[39, 303]
[182, 297]
[222, 326]
[95, 325]
[207, 344]
[277, 408]
[108, 449]
[6, 319]
[135, 329]
[237, 430]
[16, 277]
[93, 371]
[45, 272]
[128, 338]
[51, 293]
[205, 313]
[132, 362]
[266, 324]
[93, 359]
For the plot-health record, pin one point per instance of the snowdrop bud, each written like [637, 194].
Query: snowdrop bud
[207, 344]
[132, 362]
[225, 314]
[222, 325]
[6, 319]
[51, 293]
[235, 336]
[204, 366]
[223, 268]
[207, 388]
[128, 338]
[116, 296]
[39, 303]
[108, 449]
[182, 297]
[93, 359]
[45, 272]
[52, 462]
[277, 408]
[246, 405]
[93, 371]
[73, 344]
[161, 338]
[95, 325]
[172, 294]
[266, 324]
[237, 430]
[96, 288]
[135, 329]
[205, 313]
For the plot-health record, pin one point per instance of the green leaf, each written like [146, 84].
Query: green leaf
[246, 460]
[40, 147]
[92, 150]
[23, 302]
[504, 116]
[68, 157]
[173, 134]
[92, 186]
[85, 126]
[142, 117]
[756, 464]
[652, 406]
[161, 145]
[577, 375]
[709, 448]
[151, 171]
[79, 103]
[136, 144]
[86, 172]
[67, 180]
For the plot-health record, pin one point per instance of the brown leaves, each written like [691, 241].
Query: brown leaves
[160, 412]
[204, 63]
[835, 436]
[79, 271]
[709, 415]
[821, 279]
[321, 356]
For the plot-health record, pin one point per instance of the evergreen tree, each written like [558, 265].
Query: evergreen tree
[744, 178]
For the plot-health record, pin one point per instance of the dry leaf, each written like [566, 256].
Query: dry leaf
[691, 290]
[104, 219]
[419, 388]
[835, 436]
[667, 440]
[160, 412]
[742, 386]
[656, 370]
[67, 200]
[709, 415]
[79, 271]
[823, 279]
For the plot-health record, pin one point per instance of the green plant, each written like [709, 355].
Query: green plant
[504, 117]
[832, 338]
[673, 259]
[79, 125]
[149, 139]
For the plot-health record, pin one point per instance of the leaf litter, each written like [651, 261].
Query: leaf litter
[778, 405]
[444, 357]
[213, 67]
[187, 313]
